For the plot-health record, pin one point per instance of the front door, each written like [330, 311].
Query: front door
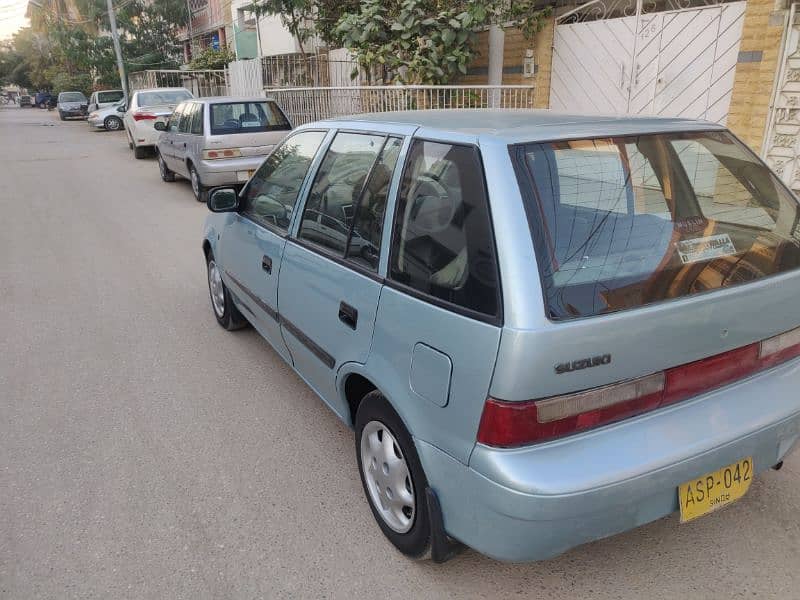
[253, 241]
[329, 289]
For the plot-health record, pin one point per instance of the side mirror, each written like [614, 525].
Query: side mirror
[223, 200]
[160, 126]
[121, 109]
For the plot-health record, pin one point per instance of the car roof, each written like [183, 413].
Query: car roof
[227, 99]
[162, 89]
[525, 125]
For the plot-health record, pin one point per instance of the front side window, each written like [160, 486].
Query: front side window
[442, 244]
[184, 124]
[196, 126]
[175, 118]
[367, 230]
[624, 222]
[337, 187]
[246, 117]
[271, 194]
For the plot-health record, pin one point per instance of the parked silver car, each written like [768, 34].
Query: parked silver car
[218, 141]
[109, 117]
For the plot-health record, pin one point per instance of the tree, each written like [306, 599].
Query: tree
[422, 41]
[296, 16]
[211, 58]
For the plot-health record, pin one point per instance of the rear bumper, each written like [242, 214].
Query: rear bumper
[145, 135]
[537, 502]
[228, 171]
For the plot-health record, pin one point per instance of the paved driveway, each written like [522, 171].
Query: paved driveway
[147, 453]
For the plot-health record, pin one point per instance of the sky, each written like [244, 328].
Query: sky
[12, 17]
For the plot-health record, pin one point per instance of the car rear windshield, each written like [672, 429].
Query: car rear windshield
[247, 117]
[110, 96]
[160, 97]
[623, 222]
[71, 97]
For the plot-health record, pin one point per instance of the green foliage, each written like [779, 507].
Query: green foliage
[213, 59]
[63, 82]
[296, 15]
[424, 41]
[55, 48]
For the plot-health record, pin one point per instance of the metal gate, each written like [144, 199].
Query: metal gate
[620, 58]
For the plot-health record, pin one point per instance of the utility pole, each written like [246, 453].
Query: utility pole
[191, 33]
[112, 19]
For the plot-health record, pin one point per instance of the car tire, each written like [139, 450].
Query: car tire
[139, 151]
[61, 116]
[198, 189]
[404, 521]
[166, 174]
[42, 104]
[225, 311]
[112, 123]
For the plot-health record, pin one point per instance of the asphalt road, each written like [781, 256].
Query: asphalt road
[147, 453]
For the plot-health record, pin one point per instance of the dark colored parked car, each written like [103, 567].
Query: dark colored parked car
[72, 104]
[42, 98]
[25, 102]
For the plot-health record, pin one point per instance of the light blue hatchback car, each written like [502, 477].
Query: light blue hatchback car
[544, 329]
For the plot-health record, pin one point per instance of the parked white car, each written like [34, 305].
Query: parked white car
[104, 99]
[144, 108]
[109, 118]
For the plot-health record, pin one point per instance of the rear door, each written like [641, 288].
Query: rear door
[252, 243]
[329, 287]
[439, 321]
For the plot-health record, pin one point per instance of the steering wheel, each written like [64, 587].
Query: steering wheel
[432, 209]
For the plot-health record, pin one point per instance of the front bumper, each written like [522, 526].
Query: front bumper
[96, 122]
[537, 502]
[228, 171]
[72, 112]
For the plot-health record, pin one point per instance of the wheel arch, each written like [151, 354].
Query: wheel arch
[354, 382]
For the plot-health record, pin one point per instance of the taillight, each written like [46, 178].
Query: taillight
[143, 116]
[510, 424]
[222, 153]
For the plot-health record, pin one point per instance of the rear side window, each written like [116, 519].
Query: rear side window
[272, 193]
[246, 117]
[442, 244]
[628, 221]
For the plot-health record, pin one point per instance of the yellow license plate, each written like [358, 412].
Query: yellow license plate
[715, 490]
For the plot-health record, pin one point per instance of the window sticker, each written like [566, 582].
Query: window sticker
[706, 248]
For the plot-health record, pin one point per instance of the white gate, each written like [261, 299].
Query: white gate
[246, 77]
[618, 58]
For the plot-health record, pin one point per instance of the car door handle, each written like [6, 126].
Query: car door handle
[184, 144]
[266, 264]
[348, 315]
